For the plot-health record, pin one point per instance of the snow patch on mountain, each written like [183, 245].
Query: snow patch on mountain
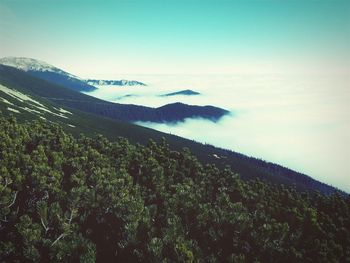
[39, 108]
[6, 101]
[30, 110]
[13, 110]
[63, 111]
[18, 95]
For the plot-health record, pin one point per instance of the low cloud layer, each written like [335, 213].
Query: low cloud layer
[296, 121]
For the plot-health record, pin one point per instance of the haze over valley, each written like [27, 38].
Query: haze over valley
[299, 121]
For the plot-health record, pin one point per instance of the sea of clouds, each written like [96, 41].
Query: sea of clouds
[301, 122]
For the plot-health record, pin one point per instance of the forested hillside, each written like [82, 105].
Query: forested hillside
[67, 199]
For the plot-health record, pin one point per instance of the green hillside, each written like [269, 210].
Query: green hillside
[67, 199]
[91, 125]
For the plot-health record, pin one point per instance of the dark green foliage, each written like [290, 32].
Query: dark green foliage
[66, 199]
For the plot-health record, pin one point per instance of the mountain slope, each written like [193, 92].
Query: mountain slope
[30, 64]
[90, 124]
[47, 72]
[69, 82]
[124, 112]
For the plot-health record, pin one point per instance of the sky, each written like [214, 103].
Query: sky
[107, 38]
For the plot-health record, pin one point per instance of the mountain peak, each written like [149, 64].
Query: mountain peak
[30, 64]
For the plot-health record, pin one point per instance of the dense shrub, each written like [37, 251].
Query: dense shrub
[66, 199]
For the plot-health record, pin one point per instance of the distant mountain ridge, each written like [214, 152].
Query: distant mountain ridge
[124, 112]
[174, 110]
[122, 82]
[186, 92]
[58, 76]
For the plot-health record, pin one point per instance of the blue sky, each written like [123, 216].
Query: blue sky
[95, 38]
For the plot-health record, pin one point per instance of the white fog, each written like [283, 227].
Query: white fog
[301, 122]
